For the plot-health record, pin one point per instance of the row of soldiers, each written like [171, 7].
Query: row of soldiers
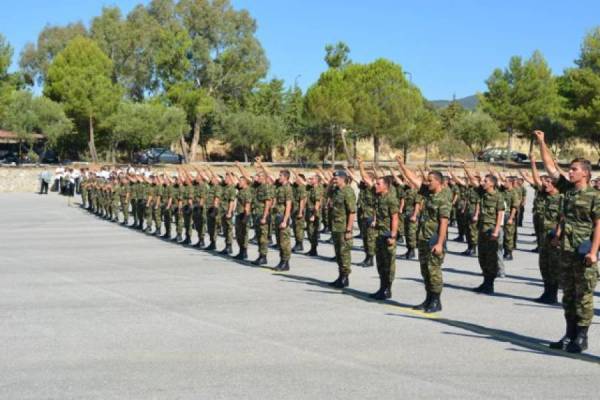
[414, 206]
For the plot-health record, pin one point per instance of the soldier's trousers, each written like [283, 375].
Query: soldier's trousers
[125, 209]
[410, 229]
[578, 282]
[431, 268]
[140, 210]
[84, 197]
[487, 253]
[241, 231]
[521, 215]
[149, 216]
[133, 203]
[385, 256]
[472, 232]
[158, 218]
[187, 221]
[227, 224]
[549, 263]
[263, 236]
[461, 222]
[312, 228]
[212, 218]
[179, 221]
[116, 205]
[538, 226]
[509, 236]
[299, 228]
[168, 219]
[369, 237]
[359, 217]
[199, 217]
[283, 242]
[342, 249]
[401, 232]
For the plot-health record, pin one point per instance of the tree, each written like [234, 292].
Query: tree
[293, 117]
[6, 53]
[384, 103]
[521, 95]
[254, 134]
[428, 128]
[80, 78]
[336, 56]
[24, 115]
[477, 130]
[36, 59]
[580, 87]
[140, 125]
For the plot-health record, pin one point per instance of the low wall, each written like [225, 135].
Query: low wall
[25, 179]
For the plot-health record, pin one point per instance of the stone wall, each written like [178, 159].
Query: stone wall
[22, 179]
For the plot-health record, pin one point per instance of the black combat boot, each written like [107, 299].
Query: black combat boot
[261, 260]
[424, 304]
[468, 252]
[434, 305]
[211, 247]
[368, 262]
[378, 293]
[200, 243]
[410, 253]
[342, 282]
[552, 297]
[580, 343]
[460, 238]
[178, 238]
[508, 255]
[242, 255]
[157, 233]
[298, 247]
[487, 287]
[283, 266]
[336, 282]
[544, 296]
[570, 334]
[312, 252]
[227, 250]
[187, 241]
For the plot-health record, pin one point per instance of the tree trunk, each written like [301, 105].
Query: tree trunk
[245, 155]
[349, 159]
[92, 141]
[426, 155]
[354, 149]
[184, 149]
[376, 150]
[509, 146]
[332, 145]
[195, 139]
[405, 153]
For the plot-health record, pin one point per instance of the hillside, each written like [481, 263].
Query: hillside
[469, 102]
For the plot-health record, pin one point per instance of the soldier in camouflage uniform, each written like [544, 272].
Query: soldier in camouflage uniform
[411, 198]
[133, 193]
[580, 242]
[213, 200]
[386, 228]
[157, 206]
[343, 212]
[512, 201]
[243, 213]
[491, 213]
[313, 213]
[149, 206]
[228, 195]
[283, 210]
[262, 209]
[471, 207]
[366, 197]
[299, 211]
[168, 204]
[141, 203]
[199, 209]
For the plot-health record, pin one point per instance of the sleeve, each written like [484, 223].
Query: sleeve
[500, 205]
[289, 194]
[596, 207]
[393, 205]
[444, 210]
[350, 200]
[563, 184]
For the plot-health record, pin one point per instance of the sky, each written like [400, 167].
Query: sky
[449, 47]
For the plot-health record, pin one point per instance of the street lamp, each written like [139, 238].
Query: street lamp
[409, 75]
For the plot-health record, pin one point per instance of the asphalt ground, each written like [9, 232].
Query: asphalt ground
[93, 310]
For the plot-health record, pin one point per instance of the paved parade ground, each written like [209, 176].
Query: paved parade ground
[93, 310]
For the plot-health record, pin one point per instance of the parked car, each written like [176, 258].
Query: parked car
[11, 158]
[49, 157]
[157, 155]
[501, 154]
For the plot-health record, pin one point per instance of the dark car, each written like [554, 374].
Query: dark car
[158, 155]
[11, 158]
[49, 157]
[501, 154]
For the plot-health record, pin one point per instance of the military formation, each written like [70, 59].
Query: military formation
[389, 207]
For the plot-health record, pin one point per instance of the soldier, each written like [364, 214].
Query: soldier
[366, 197]
[411, 214]
[141, 201]
[213, 200]
[343, 212]
[283, 209]
[125, 194]
[433, 231]
[263, 206]
[491, 214]
[512, 202]
[313, 213]
[299, 210]
[228, 195]
[178, 202]
[133, 191]
[149, 205]
[242, 216]
[168, 204]
[523, 190]
[199, 209]
[157, 205]
[386, 228]
[580, 242]
[471, 210]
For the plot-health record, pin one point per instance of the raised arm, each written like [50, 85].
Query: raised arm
[408, 174]
[546, 155]
[535, 175]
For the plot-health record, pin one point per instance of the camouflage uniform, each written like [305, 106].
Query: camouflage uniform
[133, 187]
[283, 194]
[300, 193]
[386, 205]
[199, 211]
[228, 194]
[436, 207]
[244, 196]
[262, 195]
[581, 209]
[471, 208]
[410, 227]
[367, 199]
[214, 192]
[168, 193]
[400, 196]
[539, 202]
[315, 194]
[549, 259]
[343, 204]
[157, 208]
[512, 201]
[490, 204]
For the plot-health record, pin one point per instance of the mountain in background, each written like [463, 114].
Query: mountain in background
[469, 102]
